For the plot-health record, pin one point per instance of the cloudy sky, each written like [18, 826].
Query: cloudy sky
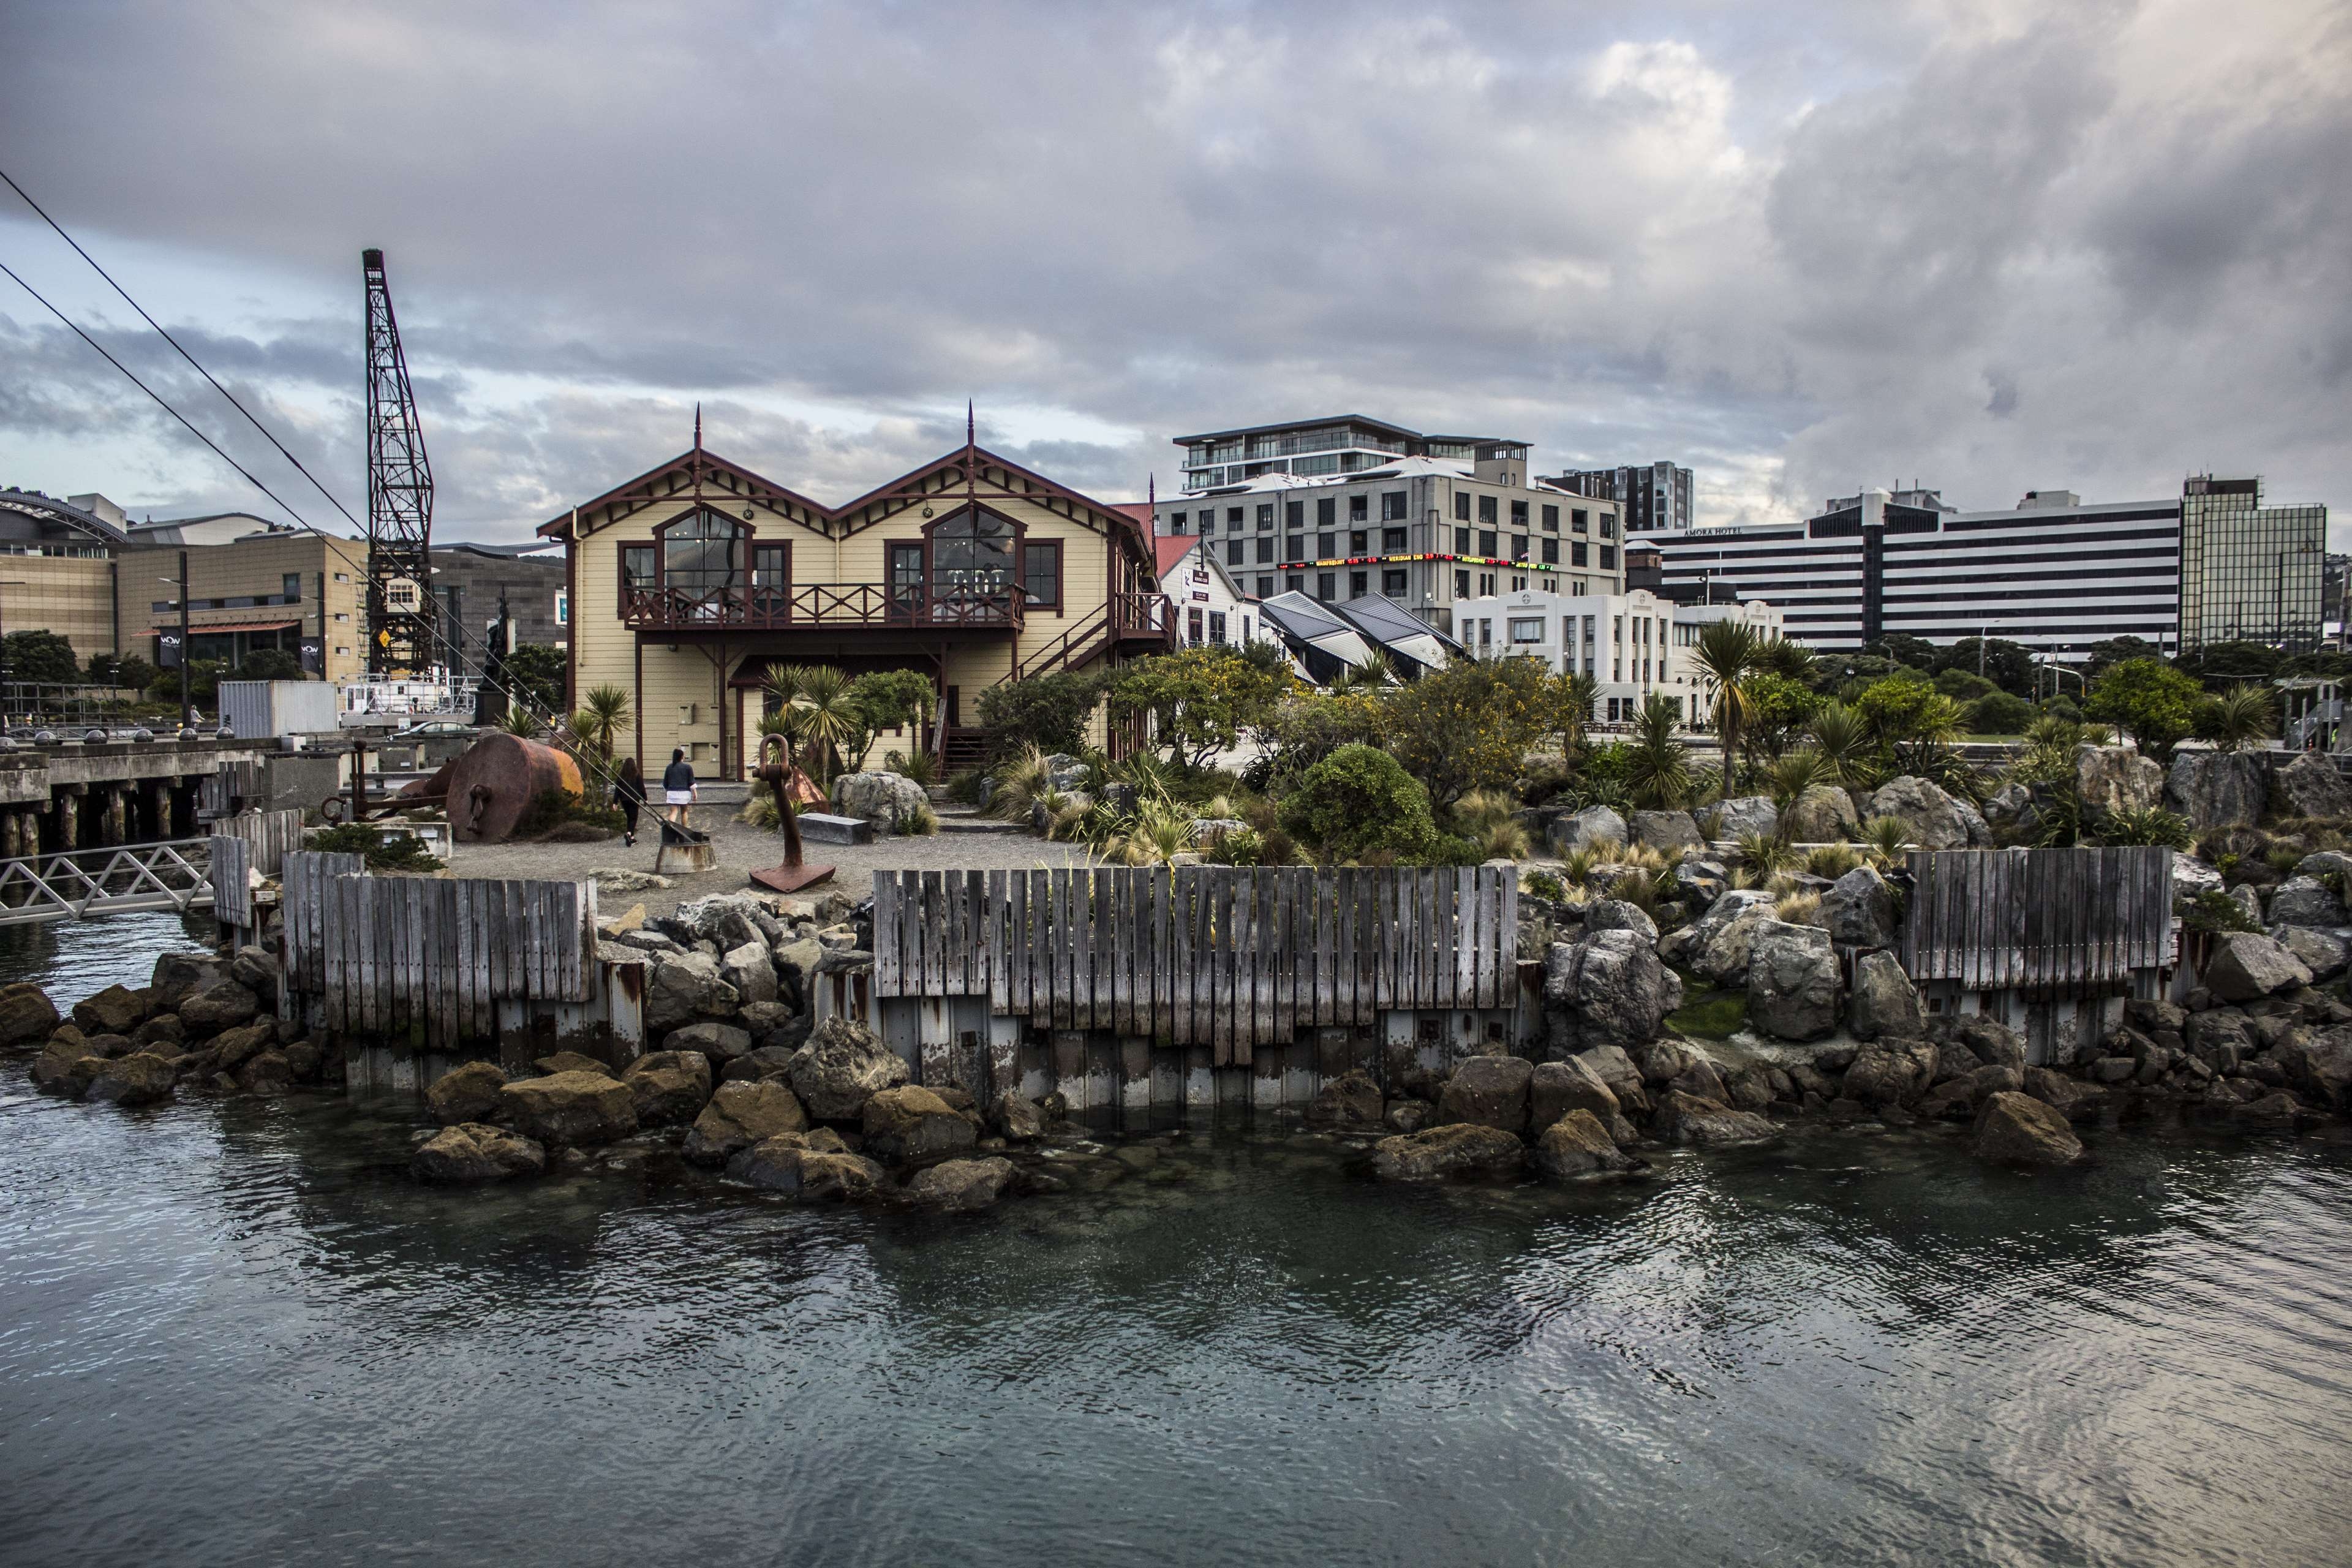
[1801, 247]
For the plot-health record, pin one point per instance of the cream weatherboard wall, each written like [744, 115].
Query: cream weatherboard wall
[683, 685]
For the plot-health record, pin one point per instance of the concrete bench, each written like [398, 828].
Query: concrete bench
[818, 827]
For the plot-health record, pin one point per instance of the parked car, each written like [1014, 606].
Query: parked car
[435, 730]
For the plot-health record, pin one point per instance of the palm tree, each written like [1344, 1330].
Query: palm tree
[520, 720]
[1657, 763]
[822, 711]
[1841, 739]
[1375, 674]
[1579, 692]
[2240, 714]
[1726, 654]
[604, 713]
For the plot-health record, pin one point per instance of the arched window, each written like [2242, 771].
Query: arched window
[971, 558]
[702, 556]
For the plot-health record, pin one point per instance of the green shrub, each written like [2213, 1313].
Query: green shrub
[405, 852]
[1359, 802]
[2000, 714]
[2214, 910]
[1046, 712]
[550, 809]
[2145, 826]
[1543, 885]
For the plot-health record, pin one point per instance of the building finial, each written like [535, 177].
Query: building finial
[970, 425]
[697, 425]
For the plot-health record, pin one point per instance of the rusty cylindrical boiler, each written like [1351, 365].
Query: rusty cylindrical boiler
[491, 786]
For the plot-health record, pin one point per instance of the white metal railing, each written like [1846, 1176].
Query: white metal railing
[73, 885]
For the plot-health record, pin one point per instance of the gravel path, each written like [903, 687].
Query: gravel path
[742, 848]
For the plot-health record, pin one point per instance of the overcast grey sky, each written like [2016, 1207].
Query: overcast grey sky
[1802, 248]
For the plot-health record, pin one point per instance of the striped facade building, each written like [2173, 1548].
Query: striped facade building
[2051, 573]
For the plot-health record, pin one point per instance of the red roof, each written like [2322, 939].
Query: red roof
[1172, 548]
[1138, 510]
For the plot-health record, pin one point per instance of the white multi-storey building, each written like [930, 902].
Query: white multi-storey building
[1633, 644]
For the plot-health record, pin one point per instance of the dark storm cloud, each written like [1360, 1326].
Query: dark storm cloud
[2090, 245]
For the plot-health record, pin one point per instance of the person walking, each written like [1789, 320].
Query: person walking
[629, 795]
[678, 786]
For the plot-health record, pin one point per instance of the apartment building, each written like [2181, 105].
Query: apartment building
[2053, 573]
[1654, 497]
[57, 568]
[1633, 644]
[287, 589]
[1458, 521]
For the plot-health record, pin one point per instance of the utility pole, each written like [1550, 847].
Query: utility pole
[187, 674]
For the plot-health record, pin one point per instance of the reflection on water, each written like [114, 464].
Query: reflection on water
[234, 1331]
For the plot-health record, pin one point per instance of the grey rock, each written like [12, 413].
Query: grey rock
[2218, 789]
[740, 1115]
[880, 798]
[1859, 910]
[1709, 1124]
[2109, 779]
[569, 1109]
[910, 1125]
[2192, 876]
[141, 1077]
[750, 970]
[179, 975]
[223, 1004]
[467, 1092]
[1891, 1072]
[1608, 988]
[1615, 1068]
[1884, 1001]
[2320, 1067]
[647, 941]
[2303, 900]
[1348, 1099]
[961, 1186]
[725, 921]
[1792, 982]
[1698, 882]
[687, 986]
[2017, 1129]
[2322, 953]
[1744, 815]
[1554, 1088]
[2246, 967]
[1928, 815]
[1462, 1148]
[1669, 831]
[1578, 1144]
[1824, 814]
[1018, 1119]
[1491, 1091]
[1616, 914]
[669, 1089]
[841, 1067]
[2311, 786]
[258, 970]
[720, 1043]
[117, 1010]
[793, 1162]
[1583, 829]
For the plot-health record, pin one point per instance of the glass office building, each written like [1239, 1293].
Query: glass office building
[2248, 572]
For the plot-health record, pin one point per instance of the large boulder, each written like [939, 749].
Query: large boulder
[1742, 815]
[1718, 940]
[880, 798]
[2320, 1067]
[1554, 1088]
[179, 975]
[740, 1115]
[714, 1041]
[686, 987]
[1929, 817]
[725, 921]
[2245, 968]
[117, 1010]
[751, 972]
[138, 1079]
[1792, 982]
[1699, 881]
[2324, 954]
[669, 1089]
[812, 1166]
[910, 1125]
[1884, 1001]
[1609, 988]
[1891, 1072]
[570, 1110]
[1462, 1148]
[472, 1152]
[1491, 1091]
[26, 1014]
[1616, 914]
[223, 1004]
[467, 1092]
[1615, 1068]
[1688, 1119]
[1020, 1119]
[1584, 829]
[1858, 909]
[843, 1064]
[1669, 832]
[2297, 901]
[2017, 1129]
[1824, 814]
[232, 1048]
[2311, 786]
[2218, 789]
[2109, 779]
[1578, 1144]
[257, 970]
[1346, 1099]
[959, 1186]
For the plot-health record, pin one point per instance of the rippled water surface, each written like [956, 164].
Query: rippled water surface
[234, 1330]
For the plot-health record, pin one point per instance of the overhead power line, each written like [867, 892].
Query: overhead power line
[184, 353]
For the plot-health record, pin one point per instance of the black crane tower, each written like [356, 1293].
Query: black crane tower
[400, 496]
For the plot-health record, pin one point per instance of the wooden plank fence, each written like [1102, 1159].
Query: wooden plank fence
[2054, 920]
[432, 957]
[1228, 957]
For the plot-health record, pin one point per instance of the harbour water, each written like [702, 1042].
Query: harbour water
[235, 1330]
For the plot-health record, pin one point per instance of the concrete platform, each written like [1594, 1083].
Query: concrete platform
[820, 827]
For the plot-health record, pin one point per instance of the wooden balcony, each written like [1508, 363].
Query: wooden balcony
[821, 606]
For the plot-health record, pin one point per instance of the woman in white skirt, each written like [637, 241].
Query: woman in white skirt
[678, 786]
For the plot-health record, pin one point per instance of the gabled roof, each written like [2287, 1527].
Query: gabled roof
[1171, 548]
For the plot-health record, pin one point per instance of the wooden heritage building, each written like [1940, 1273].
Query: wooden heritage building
[689, 582]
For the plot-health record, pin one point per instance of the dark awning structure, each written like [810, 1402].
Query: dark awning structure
[1321, 642]
[1411, 644]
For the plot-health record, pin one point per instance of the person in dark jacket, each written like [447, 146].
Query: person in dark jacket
[629, 795]
[678, 786]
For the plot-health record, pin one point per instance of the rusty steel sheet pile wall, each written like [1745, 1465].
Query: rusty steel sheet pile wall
[2055, 921]
[1231, 958]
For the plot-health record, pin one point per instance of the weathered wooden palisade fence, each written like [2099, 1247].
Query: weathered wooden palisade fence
[1152, 990]
[424, 971]
[2049, 941]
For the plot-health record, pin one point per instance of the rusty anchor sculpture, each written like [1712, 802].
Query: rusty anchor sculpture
[791, 787]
